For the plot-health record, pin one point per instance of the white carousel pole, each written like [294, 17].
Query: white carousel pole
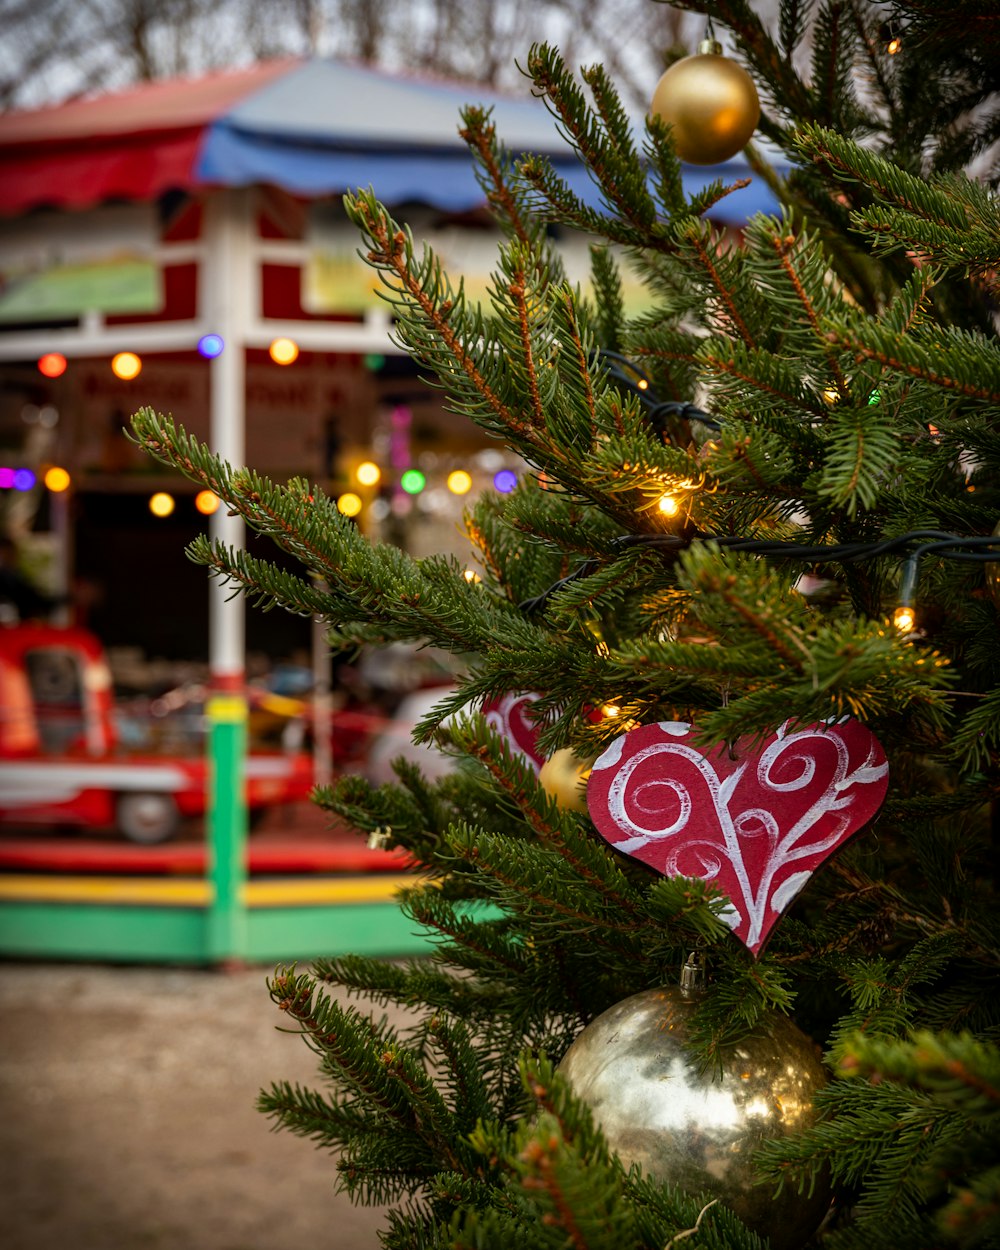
[227, 286]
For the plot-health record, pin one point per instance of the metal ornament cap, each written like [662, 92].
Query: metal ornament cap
[711, 103]
[699, 1130]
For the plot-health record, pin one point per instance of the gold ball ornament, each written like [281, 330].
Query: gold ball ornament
[563, 777]
[711, 103]
[699, 1130]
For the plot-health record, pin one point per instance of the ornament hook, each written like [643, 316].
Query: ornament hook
[693, 974]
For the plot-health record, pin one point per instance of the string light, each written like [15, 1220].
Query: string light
[669, 505]
[349, 503]
[161, 504]
[52, 365]
[904, 618]
[284, 351]
[56, 479]
[459, 482]
[126, 365]
[505, 481]
[471, 576]
[368, 473]
[413, 481]
[978, 549]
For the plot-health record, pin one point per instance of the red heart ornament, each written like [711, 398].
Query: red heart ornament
[757, 823]
[510, 717]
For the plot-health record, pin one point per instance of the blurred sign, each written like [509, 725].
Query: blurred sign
[56, 266]
[336, 279]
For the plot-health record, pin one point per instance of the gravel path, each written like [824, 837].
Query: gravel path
[128, 1119]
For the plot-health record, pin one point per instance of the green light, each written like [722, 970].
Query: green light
[874, 398]
[413, 481]
[374, 362]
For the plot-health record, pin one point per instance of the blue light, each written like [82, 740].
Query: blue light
[505, 481]
[210, 345]
[24, 479]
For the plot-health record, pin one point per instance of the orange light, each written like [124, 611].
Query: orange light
[668, 505]
[893, 46]
[904, 618]
[471, 576]
[56, 479]
[284, 351]
[349, 503]
[368, 473]
[161, 504]
[611, 709]
[207, 502]
[459, 482]
[52, 364]
[126, 365]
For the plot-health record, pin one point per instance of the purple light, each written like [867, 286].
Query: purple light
[24, 479]
[210, 345]
[505, 481]
[6, 478]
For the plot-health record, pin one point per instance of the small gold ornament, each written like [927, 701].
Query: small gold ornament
[698, 1130]
[712, 104]
[563, 777]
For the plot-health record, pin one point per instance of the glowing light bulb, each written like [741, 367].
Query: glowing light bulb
[471, 575]
[611, 709]
[52, 364]
[904, 618]
[126, 365]
[831, 395]
[459, 482]
[413, 481]
[505, 481]
[207, 502]
[23, 479]
[642, 384]
[56, 479]
[161, 504]
[893, 46]
[284, 351]
[368, 473]
[669, 505]
[349, 503]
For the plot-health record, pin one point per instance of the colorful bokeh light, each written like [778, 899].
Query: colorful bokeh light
[56, 479]
[284, 351]
[52, 364]
[459, 482]
[161, 504]
[207, 502]
[349, 503]
[24, 479]
[210, 346]
[413, 481]
[126, 365]
[368, 473]
[505, 481]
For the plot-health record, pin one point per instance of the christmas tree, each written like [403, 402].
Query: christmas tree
[760, 520]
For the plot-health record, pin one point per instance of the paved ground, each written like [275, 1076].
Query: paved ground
[127, 1117]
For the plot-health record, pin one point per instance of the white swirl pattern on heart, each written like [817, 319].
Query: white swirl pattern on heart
[657, 789]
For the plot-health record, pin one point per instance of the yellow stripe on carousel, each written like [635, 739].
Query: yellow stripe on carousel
[195, 892]
[155, 893]
[302, 892]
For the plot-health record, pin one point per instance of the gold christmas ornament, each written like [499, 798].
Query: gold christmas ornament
[712, 104]
[563, 777]
[698, 1130]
